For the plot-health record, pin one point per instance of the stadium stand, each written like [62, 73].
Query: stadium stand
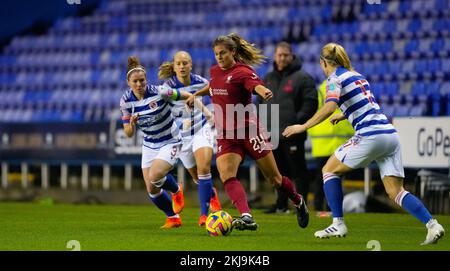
[403, 48]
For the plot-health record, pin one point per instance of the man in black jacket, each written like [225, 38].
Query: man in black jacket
[295, 93]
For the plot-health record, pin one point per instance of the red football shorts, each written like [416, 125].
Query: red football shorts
[256, 147]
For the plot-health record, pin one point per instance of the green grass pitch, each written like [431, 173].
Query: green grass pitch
[33, 226]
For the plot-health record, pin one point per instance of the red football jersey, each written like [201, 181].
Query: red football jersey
[233, 87]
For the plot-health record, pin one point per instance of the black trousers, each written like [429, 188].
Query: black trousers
[290, 158]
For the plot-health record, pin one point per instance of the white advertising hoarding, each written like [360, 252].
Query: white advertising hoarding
[425, 141]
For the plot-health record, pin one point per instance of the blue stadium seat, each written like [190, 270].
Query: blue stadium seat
[445, 88]
[390, 26]
[418, 88]
[417, 110]
[423, 101]
[392, 88]
[408, 42]
[405, 6]
[447, 104]
[263, 69]
[412, 46]
[402, 110]
[420, 66]
[435, 103]
[433, 88]
[395, 67]
[434, 66]
[388, 110]
[414, 25]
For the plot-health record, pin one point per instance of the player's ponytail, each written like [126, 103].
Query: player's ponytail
[246, 52]
[335, 55]
[166, 70]
[134, 65]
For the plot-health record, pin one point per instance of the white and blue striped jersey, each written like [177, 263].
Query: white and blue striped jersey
[351, 91]
[155, 118]
[195, 118]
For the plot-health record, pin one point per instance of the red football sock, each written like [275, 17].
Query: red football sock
[287, 187]
[237, 194]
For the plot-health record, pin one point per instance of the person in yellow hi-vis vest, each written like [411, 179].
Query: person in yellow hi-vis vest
[325, 139]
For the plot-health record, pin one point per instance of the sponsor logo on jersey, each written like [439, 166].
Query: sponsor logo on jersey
[219, 91]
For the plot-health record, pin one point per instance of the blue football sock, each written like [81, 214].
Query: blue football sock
[170, 184]
[333, 191]
[413, 205]
[204, 192]
[163, 202]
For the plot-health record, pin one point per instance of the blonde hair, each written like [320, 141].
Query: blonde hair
[134, 65]
[246, 52]
[335, 55]
[166, 69]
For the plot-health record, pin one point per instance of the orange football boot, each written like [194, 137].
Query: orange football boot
[214, 202]
[178, 200]
[202, 220]
[172, 222]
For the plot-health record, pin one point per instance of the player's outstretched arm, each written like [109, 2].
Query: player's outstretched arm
[320, 116]
[184, 95]
[202, 92]
[264, 92]
[168, 93]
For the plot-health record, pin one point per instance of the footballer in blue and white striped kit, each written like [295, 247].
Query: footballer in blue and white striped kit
[148, 107]
[375, 140]
[198, 138]
[191, 123]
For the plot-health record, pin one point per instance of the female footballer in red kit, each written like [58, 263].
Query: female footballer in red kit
[232, 83]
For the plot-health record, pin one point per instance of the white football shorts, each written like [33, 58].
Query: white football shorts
[168, 153]
[360, 151]
[201, 139]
